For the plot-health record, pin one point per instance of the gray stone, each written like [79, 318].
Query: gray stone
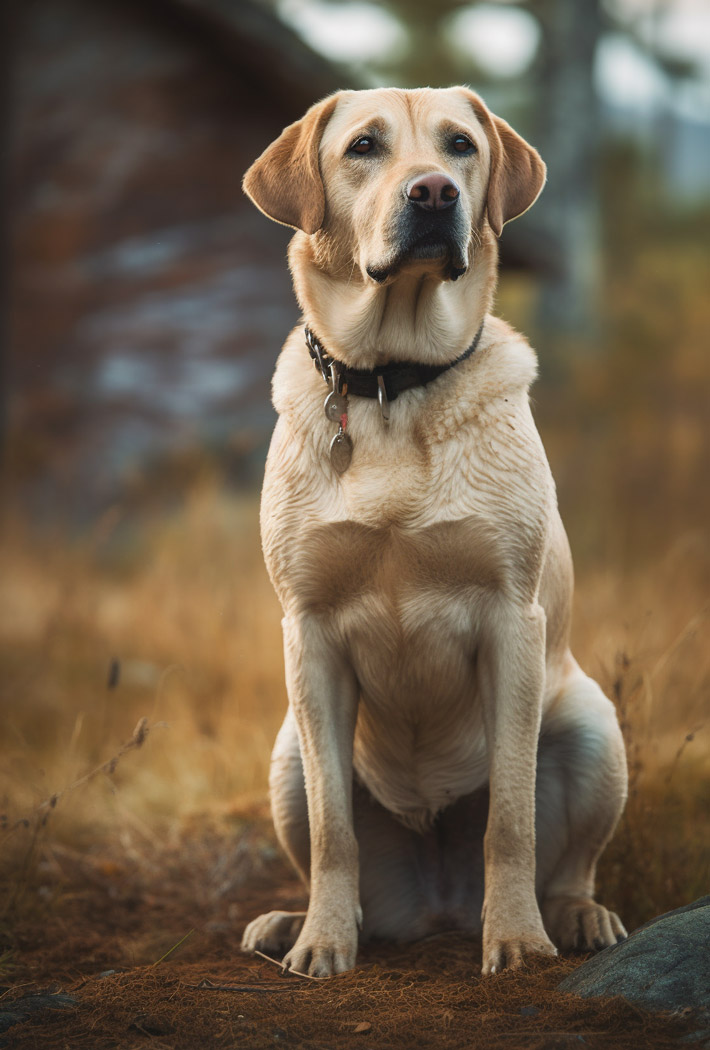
[14, 1011]
[664, 965]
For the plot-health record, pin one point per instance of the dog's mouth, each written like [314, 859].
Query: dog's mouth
[432, 246]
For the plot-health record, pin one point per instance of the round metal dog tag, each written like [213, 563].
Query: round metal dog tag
[341, 451]
[336, 405]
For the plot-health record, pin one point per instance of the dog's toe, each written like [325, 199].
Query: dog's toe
[510, 953]
[276, 931]
[580, 924]
[319, 961]
[325, 948]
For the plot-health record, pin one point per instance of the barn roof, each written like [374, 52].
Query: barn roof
[258, 47]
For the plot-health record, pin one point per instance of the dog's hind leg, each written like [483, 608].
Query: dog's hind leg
[580, 794]
[277, 931]
[289, 808]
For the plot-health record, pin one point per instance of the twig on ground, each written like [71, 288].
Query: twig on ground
[296, 973]
[265, 986]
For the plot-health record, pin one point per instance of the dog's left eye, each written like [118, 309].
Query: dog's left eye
[362, 145]
[462, 144]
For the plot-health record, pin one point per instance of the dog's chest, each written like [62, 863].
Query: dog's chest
[419, 741]
[410, 527]
[404, 608]
[399, 560]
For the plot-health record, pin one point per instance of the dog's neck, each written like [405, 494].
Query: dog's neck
[416, 317]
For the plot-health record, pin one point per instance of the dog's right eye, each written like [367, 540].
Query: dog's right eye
[362, 145]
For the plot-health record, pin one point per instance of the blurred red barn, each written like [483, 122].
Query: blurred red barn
[148, 297]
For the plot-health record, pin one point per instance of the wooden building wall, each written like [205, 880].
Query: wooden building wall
[148, 297]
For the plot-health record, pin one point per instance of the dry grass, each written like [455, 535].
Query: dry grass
[179, 625]
[145, 852]
[176, 622]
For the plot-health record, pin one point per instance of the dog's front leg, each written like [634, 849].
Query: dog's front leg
[512, 671]
[323, 692]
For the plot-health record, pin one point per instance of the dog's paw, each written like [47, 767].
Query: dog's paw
[580, 924]
[322, 950]
[509, 953]
[275, 932]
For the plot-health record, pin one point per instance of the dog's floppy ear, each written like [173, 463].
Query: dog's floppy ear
[517, 170]
[285, 181]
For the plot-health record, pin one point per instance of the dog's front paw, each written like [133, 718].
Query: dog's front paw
[510, 951]
[274, 932]
[579, 923]
[324, 948]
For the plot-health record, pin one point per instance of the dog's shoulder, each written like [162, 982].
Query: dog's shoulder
[508, 354]
[484, 406]
[499, 373]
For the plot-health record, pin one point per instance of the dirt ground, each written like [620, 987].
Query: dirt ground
[136, 947]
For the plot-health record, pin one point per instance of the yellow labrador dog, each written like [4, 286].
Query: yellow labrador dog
[444, 761]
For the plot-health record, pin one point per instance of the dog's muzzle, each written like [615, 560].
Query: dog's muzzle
[430, 225]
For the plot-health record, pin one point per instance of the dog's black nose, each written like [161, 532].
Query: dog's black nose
[433, 192]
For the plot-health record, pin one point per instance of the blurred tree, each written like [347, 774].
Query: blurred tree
[567, 133]
[428, 60]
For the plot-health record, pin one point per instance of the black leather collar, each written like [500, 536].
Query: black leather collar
[397, 376]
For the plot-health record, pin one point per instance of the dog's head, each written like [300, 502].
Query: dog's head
[394, 181]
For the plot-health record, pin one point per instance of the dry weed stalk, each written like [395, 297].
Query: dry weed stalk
[659, 856]
[37, 821]
[688, 739]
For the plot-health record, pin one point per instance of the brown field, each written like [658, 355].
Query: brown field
[142, 847]
[182, 629]
[119, 845]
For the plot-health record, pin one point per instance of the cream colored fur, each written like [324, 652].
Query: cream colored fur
[426, 592]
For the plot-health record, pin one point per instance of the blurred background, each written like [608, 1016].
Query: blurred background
[145, 304]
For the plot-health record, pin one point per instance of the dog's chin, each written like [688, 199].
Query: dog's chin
[432, 256]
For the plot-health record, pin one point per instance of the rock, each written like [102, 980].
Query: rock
[664, 965]
[15, 1011]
